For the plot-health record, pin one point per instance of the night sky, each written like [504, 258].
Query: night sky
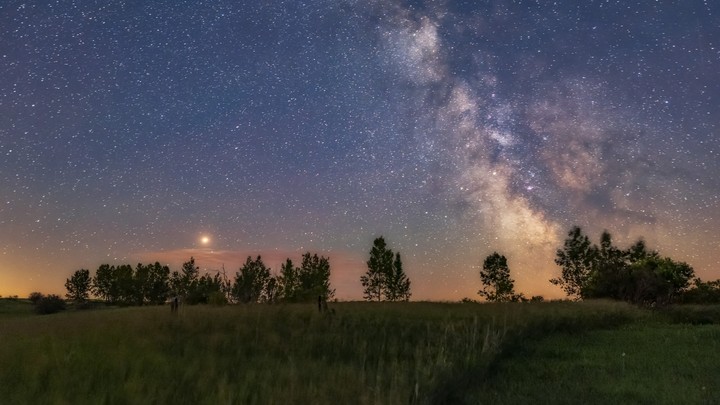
[132, 130]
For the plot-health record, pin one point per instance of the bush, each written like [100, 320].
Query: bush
[49, 304]
[35, 297]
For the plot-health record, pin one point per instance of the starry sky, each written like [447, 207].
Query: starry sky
[136, 131]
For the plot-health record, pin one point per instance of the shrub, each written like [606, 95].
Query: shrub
[35, 297]
[49, 304]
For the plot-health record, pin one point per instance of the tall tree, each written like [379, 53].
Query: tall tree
[184, 283]
[273, 290]
[103, 284]
[289, 283]
[157, 288]
[398, 284]
[141, 283]
[314, 278]
[495, 277]
[124, 281]
[385, 277]
[189, 274]
[577, 259]
[78, 286]
[380, 265]
[251, 281]
[115, 284]
[608, 271]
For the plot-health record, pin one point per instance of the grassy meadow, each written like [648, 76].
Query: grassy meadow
[364, 353]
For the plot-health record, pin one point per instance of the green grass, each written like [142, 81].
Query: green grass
[640, 364]
[367, 353]
[13, 307]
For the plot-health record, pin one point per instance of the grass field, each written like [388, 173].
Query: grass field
[640, 364]
[366, 353]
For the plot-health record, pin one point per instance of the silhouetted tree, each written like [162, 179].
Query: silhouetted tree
[157, 287]
[289, 282]
[251, 281]
[495, 277]
[125, 286]
[608, 270]
[78, 286]
[115, 284]
[577, 259]
[636, 275]
[380, 265]
[314, 278]
[104, 285]
[397, 283]
[273, 290]
[141, 280]
[385, 277]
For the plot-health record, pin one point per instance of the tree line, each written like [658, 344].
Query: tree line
[154, 284]
[636, 274]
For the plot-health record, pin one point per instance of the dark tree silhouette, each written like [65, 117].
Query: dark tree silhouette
[495, 277]
[398, 284]
[157, 288]
[314, 278]
[288, 282]
[104, 285]
[374, 281]
[385, 277]
[125, 285]
[605, 279]
[636, 275]
[251, 281]
[78, 286]
[115, 284]
[183, 283]
[576, 259]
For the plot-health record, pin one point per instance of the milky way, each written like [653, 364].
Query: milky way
[130, 131]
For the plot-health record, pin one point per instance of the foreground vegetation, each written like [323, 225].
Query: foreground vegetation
[387, 353]
[641, 364]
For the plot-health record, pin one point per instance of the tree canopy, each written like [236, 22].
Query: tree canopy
[495, 277]
[635, 275]
[251, 281]
[78, 286]
[385, 277]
